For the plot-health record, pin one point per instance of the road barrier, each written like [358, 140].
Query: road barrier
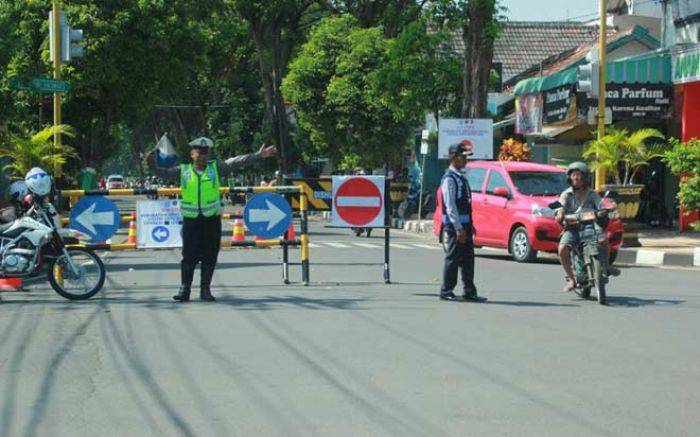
[284, 242]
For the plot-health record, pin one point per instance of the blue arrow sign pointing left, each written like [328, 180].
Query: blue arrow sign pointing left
[97, 217]
[267, 215]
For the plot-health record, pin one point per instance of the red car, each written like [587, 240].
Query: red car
[510, 208]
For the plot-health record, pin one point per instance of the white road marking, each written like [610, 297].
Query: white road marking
[337, 245]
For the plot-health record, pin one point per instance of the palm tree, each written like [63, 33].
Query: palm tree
[619, 147]
[38, 150]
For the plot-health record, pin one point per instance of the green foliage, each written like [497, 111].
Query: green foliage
[620, 149]
[357, 93]
[139, 54]
[684, 157]
[332, 85]
[421, 74]
[25, 152]
[684, 160]
[689, 194]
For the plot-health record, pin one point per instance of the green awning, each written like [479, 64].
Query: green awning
[649, 68]
[539, 84]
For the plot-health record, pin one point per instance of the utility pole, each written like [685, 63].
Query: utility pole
[56, 17]
[600, 173]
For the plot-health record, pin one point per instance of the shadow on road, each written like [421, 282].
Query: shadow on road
[176, 266]
[633, 302]
[506, 257]
[514, 303]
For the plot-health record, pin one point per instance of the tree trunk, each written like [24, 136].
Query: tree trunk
[478, 40]
[271, 76]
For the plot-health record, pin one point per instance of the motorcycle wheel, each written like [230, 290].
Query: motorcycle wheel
[86, 283]
[599, 280]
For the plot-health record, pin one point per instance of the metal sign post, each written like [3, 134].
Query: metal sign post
[423, 151]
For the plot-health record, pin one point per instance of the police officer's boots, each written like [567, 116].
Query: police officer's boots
[205, 285]
[186, 274]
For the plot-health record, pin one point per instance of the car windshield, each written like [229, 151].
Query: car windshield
[115, 179]
[539, 183]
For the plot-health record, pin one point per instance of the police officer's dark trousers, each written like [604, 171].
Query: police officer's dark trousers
[459, 256]
[201, 241]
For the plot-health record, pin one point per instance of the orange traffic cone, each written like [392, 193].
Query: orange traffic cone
[238, 234]
[132, 233]
[291, 234]
[10, 284]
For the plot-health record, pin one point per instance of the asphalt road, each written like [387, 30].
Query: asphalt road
[350, 355]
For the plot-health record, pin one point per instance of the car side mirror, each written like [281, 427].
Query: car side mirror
[501, 192]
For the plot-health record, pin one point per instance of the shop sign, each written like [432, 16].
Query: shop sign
[637, 101]
[559, 105]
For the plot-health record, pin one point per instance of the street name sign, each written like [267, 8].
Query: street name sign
[49, 86]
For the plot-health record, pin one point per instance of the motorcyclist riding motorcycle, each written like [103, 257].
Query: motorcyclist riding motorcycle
[578, 196]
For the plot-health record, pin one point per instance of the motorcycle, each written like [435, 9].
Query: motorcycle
[35, 239]
[359, 231]
[588, 257]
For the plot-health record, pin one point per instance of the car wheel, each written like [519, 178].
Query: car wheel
[520, 247]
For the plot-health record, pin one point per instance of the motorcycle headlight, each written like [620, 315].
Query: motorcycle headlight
[542, 211]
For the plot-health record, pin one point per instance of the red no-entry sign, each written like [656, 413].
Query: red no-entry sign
[358, 201]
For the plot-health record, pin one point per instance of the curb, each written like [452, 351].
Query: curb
[649, 257]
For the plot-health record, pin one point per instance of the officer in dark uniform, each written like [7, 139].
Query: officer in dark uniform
[457, 222]
[201, 210]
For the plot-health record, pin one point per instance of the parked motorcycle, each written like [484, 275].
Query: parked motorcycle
[588, 257]
[35, 239]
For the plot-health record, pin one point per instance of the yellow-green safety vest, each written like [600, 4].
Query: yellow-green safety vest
[200, 192]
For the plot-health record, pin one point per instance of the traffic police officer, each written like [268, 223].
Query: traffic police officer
[457, 222]
[200, 206]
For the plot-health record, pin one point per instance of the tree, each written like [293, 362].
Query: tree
[190, 59]
[479, 24]
[391, 15]
[37, 150]
[421, 74]
[619, 148]
[333, 85]
[276, 28]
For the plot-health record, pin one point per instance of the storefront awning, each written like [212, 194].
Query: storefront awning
[652, 68]
[539, 84]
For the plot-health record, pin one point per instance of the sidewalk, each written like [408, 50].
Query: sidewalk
[658, 246]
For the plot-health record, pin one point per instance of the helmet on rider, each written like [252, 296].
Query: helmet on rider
[18, 190]
[577, 166]
[38, 181]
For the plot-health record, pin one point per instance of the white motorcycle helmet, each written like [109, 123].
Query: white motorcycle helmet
[18, 191]
[38, 181]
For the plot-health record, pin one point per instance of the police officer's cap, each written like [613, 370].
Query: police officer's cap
[202, 143]
[460, 149]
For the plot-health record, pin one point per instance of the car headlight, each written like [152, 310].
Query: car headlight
[542, 211]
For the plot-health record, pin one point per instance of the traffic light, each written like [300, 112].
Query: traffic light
[67, 37]
[588, 78]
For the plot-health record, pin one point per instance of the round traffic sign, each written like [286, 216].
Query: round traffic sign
[358, 201]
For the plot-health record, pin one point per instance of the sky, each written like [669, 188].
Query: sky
[550, 10]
